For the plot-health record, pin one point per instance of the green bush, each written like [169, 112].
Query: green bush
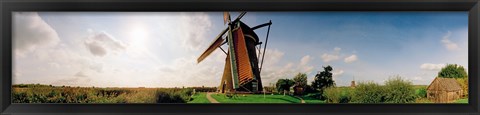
[332, 95]
[368, 92]
[345, 97]
[165, 97]
[337, 95]
[399, 91]
[316, 95]
[20, 97]
[422, 92]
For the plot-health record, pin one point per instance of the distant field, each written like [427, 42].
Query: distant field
[256, 98]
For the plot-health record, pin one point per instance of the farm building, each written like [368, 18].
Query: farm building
[444, 90]
[296, 90]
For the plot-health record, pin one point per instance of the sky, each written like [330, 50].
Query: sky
[160, 49]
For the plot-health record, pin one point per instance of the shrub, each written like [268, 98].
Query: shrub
[337, 95]
[368, 92]
[346, 96]
[317, 95]
[399, 91]
[165, 97]
[20, 97]
[332, 95]
[422, 92]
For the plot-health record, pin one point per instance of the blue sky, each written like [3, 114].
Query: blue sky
[159, 49]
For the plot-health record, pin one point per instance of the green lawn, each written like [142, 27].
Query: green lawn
[465, 100]
[312, 100]
[199, 98]
[256, 98]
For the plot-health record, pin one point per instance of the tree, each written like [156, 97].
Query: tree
[300, 80]
[464, 84]
[284, 85]
[323, 79]
[453, 71]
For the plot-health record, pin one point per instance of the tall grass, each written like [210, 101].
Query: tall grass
[50, 94]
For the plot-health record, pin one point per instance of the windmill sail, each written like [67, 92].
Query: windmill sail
[245, 73]
[226, 17]
[214, 45]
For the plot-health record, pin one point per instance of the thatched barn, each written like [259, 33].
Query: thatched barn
[444, 90]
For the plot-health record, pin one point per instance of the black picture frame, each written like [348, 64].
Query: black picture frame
[9, 6]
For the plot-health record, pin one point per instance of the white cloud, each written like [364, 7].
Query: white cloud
[55, 65]
[430, 66]
[450, 45]
[337, 72]
[329, 57]
[80, 74]
[274, 71]
[304, 65]
[272, 57]
[17, 74]
[333, 56]
[31, 32]
[305, 60]
[337, 49]
[100, 43]
[351, 58]
[418, 79]
[206, 73]
[72, 81]
[190, 26]
[96, 49]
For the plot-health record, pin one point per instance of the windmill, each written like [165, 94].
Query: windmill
[241, 72]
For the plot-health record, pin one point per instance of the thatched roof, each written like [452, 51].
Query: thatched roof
[444, 84]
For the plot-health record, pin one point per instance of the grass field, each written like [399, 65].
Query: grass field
[464, 100]
[312, 100]
[199, 98]
[37, 93]
[61, 94]
[256, 98]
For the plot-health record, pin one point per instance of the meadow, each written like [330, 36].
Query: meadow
[200, 97]
[256, 98]
[36, 93]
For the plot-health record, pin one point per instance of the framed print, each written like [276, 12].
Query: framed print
[237, 57]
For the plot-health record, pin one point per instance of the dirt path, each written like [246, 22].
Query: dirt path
[209, 97]
[301, 99]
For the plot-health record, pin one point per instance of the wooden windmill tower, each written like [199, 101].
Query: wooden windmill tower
[242, 71]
